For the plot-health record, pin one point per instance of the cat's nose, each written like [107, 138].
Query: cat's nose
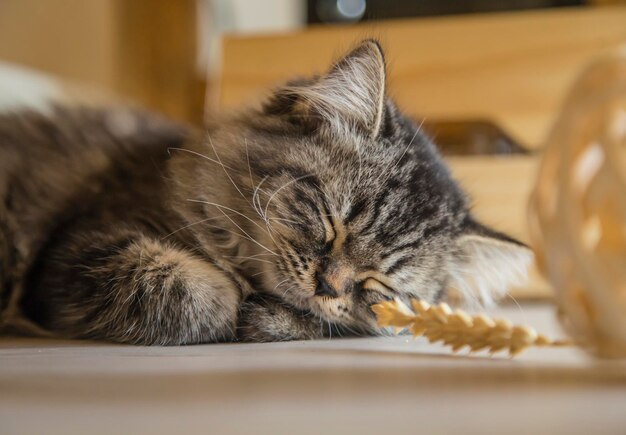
[324, 288]
[334, 280]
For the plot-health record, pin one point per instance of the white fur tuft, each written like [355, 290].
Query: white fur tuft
[487, 268]
[24, 89]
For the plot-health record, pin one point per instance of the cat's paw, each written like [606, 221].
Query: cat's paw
[265, 318]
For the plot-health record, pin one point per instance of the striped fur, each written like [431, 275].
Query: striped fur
[281, 222]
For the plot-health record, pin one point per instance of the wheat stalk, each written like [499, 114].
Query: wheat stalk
[458, 329]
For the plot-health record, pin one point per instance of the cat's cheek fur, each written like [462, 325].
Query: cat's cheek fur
[484, 269]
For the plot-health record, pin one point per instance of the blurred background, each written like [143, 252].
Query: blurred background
[164, 53]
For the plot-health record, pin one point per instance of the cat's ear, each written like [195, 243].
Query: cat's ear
[487, 264]
[350, 95]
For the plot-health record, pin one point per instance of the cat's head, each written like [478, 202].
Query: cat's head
[358, 203]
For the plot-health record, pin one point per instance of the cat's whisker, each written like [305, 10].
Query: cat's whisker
[237, 187]
[388, 169]
[256, 200]
[291, 221]
[519, 307]
[224, 168]
[194, 153]
[243, 257]
[280, 283]
[247, 236]
[281, 209]
[253, 189]
[235, 184]
[259, 208]
[249, 167]
[295, 180]
[190, 225]
[261, 254]
[220, 206]
[289, 289]
[219, 162]
[252, 239]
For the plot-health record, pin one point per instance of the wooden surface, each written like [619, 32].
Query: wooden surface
[360, 386]
[513, 68]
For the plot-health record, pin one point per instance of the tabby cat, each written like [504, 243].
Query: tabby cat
[281, 222]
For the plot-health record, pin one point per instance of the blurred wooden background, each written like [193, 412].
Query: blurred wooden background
[510, 68]
[144, 50]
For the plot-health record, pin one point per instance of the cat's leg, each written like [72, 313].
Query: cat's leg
[142, 291]
[265, 318]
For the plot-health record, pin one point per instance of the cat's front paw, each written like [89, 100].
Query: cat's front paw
[265, 318]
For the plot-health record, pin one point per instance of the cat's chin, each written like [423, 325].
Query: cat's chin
[334, 310]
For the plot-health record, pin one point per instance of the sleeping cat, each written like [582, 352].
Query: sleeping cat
[282, 222]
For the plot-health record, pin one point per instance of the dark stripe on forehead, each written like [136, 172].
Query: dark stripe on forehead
[297, 224]
[355, 209]
[301, 198]
[295, 211]
[378, 203]
[388, 234]
[276, 169]
[425, 233]
[398, 264]
[435, 228]
[393, 183]
[405, 246]
[302, 176]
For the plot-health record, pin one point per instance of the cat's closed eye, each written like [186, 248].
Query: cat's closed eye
[329, 229]
[379, 289]
[376, 285]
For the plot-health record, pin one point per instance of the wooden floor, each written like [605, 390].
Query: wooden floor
[383, 385]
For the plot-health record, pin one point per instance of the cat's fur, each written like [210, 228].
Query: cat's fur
[282, 222]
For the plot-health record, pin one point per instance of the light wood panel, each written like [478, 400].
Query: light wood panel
[513, 68]
[143, 50]
[156, 56]
[74, 39]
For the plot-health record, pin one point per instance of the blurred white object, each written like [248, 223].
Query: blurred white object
[216, 17]
[22, 88]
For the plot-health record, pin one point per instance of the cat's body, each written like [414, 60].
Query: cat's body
[283, 222]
